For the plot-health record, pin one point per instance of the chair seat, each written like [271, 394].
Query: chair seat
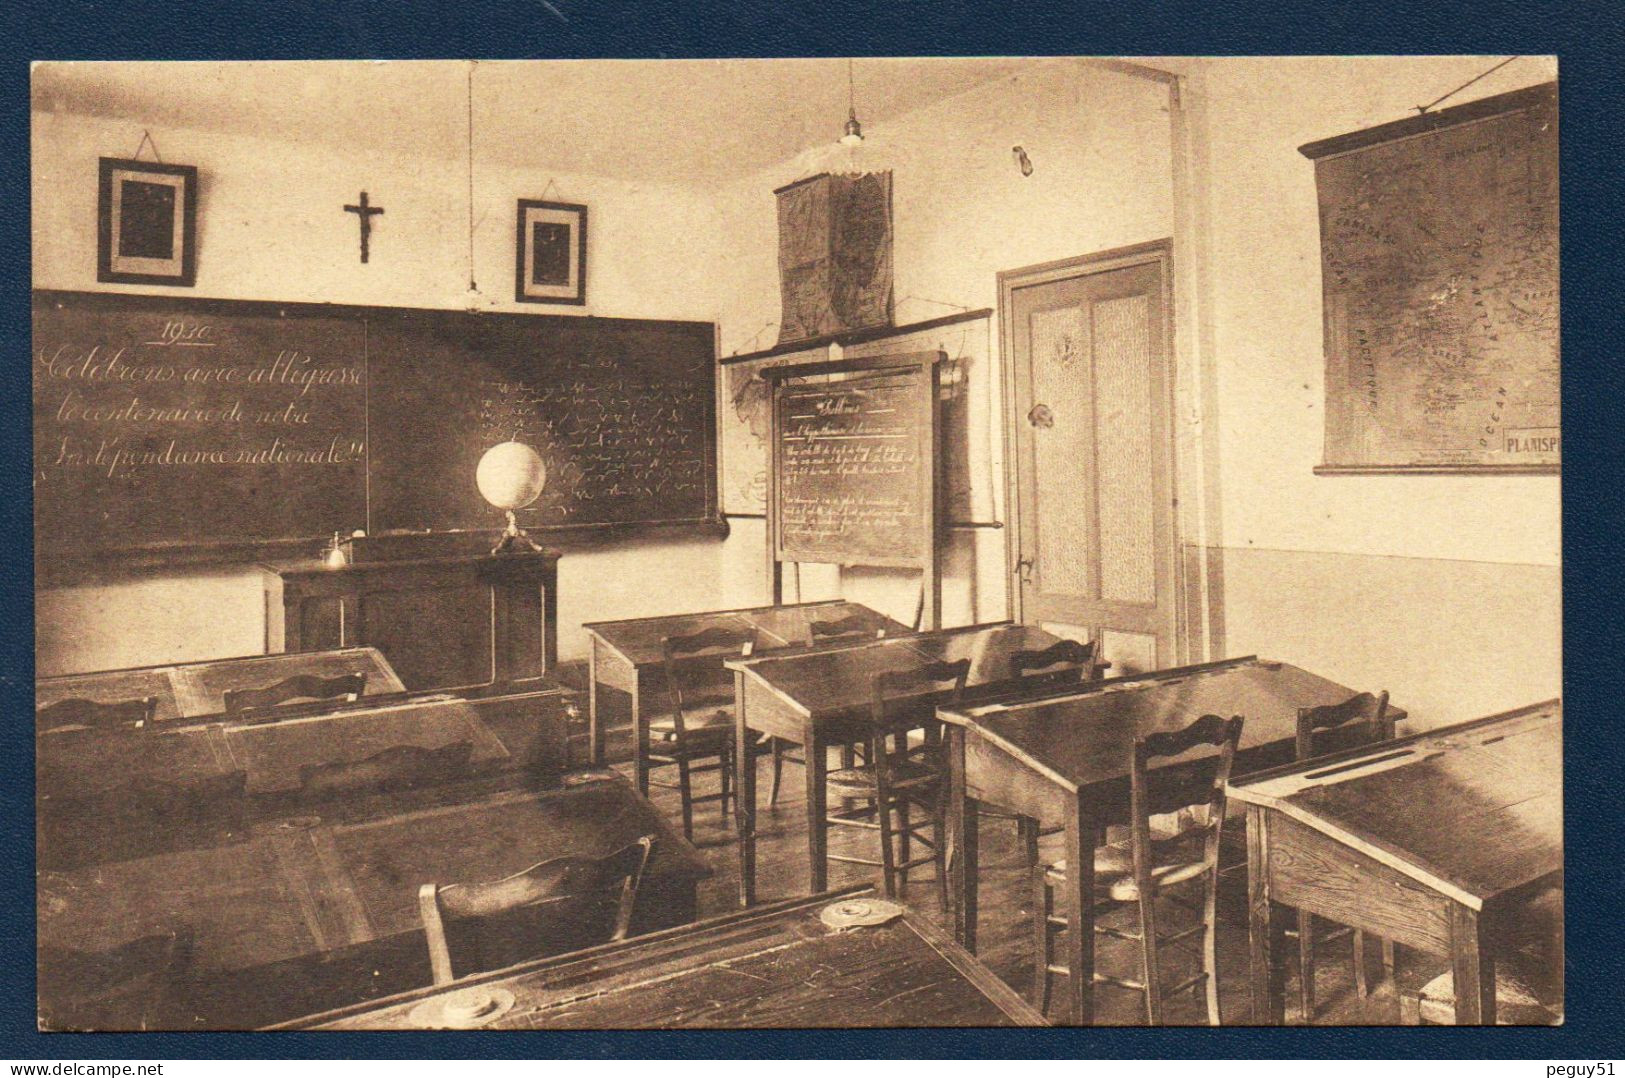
[906, 774]
[703, 727]
[1517, 1003]
[1114, 873]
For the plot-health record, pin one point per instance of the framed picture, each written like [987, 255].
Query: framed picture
[551, 252]
[146, 223]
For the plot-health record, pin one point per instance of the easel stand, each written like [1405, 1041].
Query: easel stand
[855, 476]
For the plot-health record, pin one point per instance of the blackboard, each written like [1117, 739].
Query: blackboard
[161, 424]
[854, 470]
[181, 425]
[1439, 263]
[621, 411]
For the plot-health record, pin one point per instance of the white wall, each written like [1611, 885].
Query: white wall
[271, 224]
[1444, 589]
[271, 227]
[1267, 315]
[962, 211]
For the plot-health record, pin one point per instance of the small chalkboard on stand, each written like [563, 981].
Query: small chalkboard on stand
[855, 478]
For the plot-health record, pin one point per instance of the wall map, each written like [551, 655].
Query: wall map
[1439, 258]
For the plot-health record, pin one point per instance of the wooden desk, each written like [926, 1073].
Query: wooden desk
[626, 656]
[443, 622]
[1431, 841]
[90, 782]
[309, 913]
[821, 697]
[774, 967]
[192, 690]
[81, 763]
[1064, 758]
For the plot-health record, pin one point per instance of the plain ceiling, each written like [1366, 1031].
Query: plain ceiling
[665, 121]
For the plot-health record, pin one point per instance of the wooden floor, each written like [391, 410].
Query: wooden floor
[1004, 927]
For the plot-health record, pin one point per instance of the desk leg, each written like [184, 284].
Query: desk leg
[962, 842]
[744, 796]
[640, 735]
[815, 752]
[1080, 899]
[1473, 967]
[595, 722]
[1266, 926]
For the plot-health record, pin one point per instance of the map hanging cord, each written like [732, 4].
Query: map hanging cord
[1422, 109]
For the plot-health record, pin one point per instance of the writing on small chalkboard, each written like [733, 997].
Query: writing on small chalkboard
[849, 467]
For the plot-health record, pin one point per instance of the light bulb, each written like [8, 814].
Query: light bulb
[853, 135]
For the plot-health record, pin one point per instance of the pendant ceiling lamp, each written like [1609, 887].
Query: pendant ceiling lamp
[853, 133]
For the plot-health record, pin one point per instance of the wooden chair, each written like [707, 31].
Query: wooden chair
[571, 892]
[399, 767]
[700, 727]
[898, 776]
[852, 628]
[94, 714]
[1359, 720]
[1154, 867]
[346, 687]
[849, 627]
[1062, 663]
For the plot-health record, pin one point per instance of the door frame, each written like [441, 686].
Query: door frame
[1159, 252]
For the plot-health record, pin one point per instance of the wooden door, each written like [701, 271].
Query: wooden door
[1089, 380]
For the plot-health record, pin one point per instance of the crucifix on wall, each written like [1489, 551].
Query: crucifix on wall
[365, 212]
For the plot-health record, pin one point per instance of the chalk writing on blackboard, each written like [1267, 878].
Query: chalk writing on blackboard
[157, 425]
[620, 417]
[849, 467]
[185, 423]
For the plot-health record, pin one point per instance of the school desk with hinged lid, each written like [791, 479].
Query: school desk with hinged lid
[191, 690]
[627, 657]
[778, 966]
[318, 907]
[1432, 841]
[822, 696]
[1064, 759]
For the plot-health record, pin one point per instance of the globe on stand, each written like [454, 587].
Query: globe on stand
[511, 476]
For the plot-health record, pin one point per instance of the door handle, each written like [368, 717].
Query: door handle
[1041, 417]
[1024, 571]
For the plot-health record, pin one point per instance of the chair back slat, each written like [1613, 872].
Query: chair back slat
[1078, 656]
[97, 715]
[298, 687]
[399, 767]
[554, 883]
[895, 708]
[692, 664]
[894, 683]
[851, 626]
[1156, 791]
[1360, 720]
